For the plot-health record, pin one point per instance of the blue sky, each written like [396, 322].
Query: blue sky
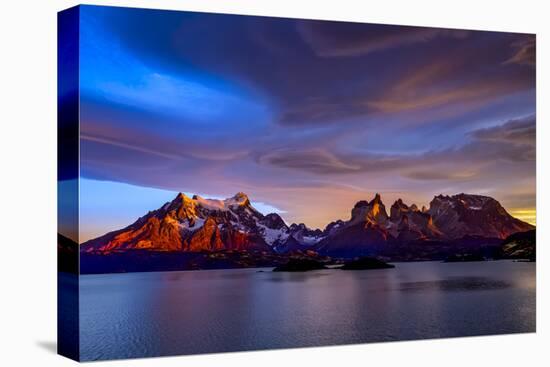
[306, 117]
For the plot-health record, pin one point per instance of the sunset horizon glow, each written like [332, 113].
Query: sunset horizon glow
[306, 117]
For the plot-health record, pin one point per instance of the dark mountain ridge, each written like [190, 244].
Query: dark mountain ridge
[199, 225]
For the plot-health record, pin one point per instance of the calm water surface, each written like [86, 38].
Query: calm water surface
[151, 314]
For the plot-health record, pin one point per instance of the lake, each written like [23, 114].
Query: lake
[169, 313]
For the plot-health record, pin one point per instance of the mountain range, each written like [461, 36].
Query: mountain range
[197, 225]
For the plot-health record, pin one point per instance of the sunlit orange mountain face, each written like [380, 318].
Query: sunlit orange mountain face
[451, 224]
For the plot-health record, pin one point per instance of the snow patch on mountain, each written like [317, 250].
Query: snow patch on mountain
[210, 204]
[239, 199]
[199, 222]
[273, 235]
[312, 240]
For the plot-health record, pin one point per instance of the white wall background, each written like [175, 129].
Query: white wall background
[28, 181]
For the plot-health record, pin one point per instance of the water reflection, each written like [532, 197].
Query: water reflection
[296, 276]
[149, 314]
[456, 284]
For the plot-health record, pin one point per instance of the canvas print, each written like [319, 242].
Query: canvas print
[234, 183]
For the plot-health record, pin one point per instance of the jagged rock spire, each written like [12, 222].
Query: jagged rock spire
[373, 212]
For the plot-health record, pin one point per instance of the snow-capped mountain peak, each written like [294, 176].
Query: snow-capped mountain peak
[198, 224]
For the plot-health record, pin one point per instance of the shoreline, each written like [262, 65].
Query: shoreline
[270, 268]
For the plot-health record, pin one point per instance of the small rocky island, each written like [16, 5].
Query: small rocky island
[366, 263]
[457, 258]
[300, 264]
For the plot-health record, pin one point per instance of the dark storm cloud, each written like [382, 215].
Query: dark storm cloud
[378, 68]
[512, 141]
[439, 175]
[340, 39]
[315, 161]
[518, 131]
[435, 80]
[324, 162]
[466, 75]
[525, 52]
